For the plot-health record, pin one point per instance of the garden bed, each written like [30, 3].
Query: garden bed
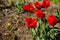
[9, 18]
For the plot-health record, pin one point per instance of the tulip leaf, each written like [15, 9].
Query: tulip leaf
[37, 38]
[54, 1]
[33, 32]
[19, 5]
[57, 14]
[53, 33]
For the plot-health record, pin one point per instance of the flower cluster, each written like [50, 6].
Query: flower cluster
[30, 8]
[31, 23]
[48, 21]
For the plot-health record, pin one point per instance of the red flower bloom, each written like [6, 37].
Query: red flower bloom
[39, 14]
[45, 4]
[52, 20]
[31, 8]
[28, 7]
[31, 23]
[37, 4]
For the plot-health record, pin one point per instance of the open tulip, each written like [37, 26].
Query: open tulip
[31, 23]
[45, 4]
[37, 4]
[40, 14]
[52, 20]
[28, 7]
[31, 8]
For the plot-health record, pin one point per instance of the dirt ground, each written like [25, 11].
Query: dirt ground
[5, 17]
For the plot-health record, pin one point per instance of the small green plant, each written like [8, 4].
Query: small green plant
[55, 1]
[19, 5]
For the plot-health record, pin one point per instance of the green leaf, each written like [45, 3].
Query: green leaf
[33, 32]
[57, 14]
[37, 38]
[53, 33]
[54, 1]
[40, 23]
[19, 5]
[36, 30]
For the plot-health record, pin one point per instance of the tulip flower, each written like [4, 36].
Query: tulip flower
[45, 4]
[40, 14]
[31, 23]
[52, 20]
[37, 5]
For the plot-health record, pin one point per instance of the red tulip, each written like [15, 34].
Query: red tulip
[37, 4]
[31, 23]
[31, 8]
[39, 14]
[52, 20]
[28, 7]
[45, 4]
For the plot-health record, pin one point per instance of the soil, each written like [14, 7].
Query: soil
[9, 15]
